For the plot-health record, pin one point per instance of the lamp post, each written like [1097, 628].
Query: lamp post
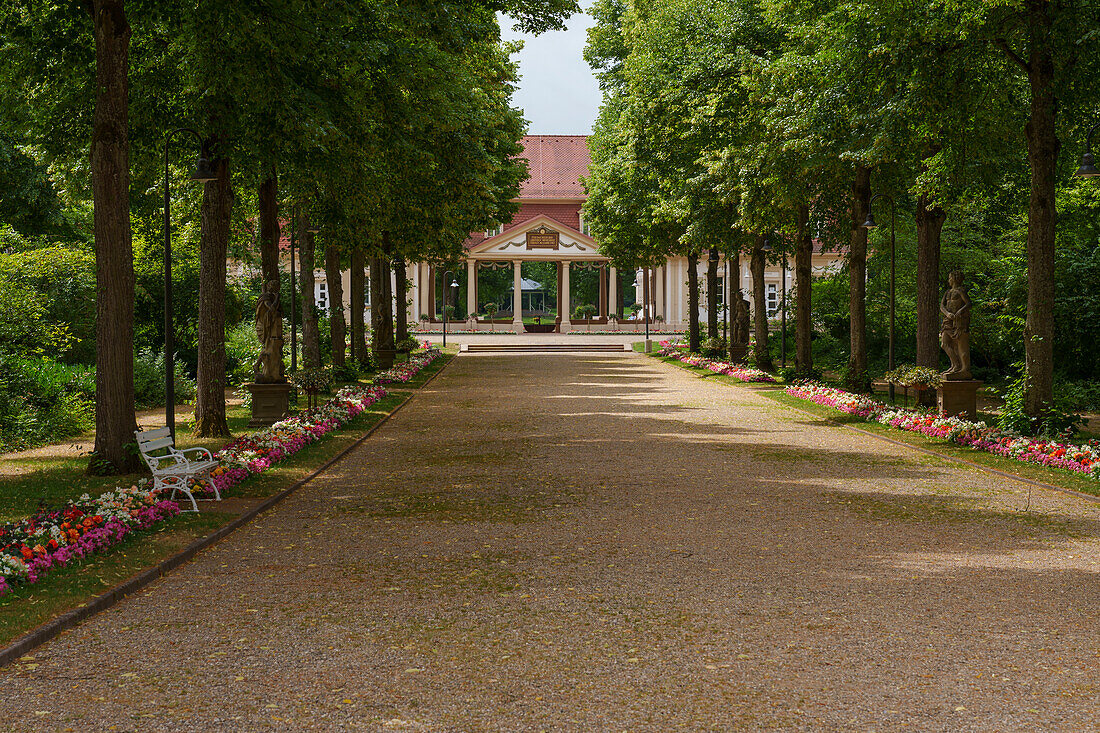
[726, 293]
[454, 284]
[645, 297]
[1088, 167]
[870, 224]
[783, 299]
[713, 259]
[293, 311]
[202, 174]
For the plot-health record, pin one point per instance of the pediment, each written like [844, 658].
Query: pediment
[541, 238]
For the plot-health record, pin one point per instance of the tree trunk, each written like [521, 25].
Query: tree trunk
[358, 306]
[269, 226]
[761, 351]
[401, 277]
[858, 380]
[693, 302]
[620, 297]
[217, 208]
[375, 284]
[803, 290]
[930, 219]
[712, 297]
[115, 421]
[311, 335]
[1042, 154]
[336, 326]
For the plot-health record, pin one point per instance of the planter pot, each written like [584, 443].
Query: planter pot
[385, 357]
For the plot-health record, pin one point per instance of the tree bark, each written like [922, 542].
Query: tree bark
[761, 351]
[1042, 154]
[358, 307]
[930, 220]
[401, 277]
[693, 302]
[269, 226]
[311, 335]
[217, 208]
[803, 290]
[336, 327]
[858, 379]
[712, 297]
[381, 300]
[115, 420]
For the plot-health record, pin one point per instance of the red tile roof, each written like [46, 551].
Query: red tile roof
[556, 164]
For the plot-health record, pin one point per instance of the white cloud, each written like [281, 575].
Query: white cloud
[557, 91]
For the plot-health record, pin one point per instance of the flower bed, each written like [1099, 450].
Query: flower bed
[1084, 459]
[406, 370]
[745, 374]
[51, 539]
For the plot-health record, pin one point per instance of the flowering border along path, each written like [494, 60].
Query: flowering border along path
[1083, 459]
[51, 539]
[676, 351]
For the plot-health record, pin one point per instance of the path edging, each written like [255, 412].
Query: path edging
[70, 619]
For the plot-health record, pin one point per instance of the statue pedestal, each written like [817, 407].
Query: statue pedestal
[738, 352]
[270, 403]
[959, 398]
[384, 357]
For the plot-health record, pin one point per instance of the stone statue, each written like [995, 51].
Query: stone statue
[740, 333]
[269, 331]
[955, 331]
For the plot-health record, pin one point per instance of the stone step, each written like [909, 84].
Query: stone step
[544, 348]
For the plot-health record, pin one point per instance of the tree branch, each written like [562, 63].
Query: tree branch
[1003, 45]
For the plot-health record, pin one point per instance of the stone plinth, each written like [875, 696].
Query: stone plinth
[270, 403]
[385, 357]
[738, 352]
[959, 397]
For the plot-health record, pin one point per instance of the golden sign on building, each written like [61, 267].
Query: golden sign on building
[542, 238]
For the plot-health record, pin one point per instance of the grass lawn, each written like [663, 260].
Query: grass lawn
[55, 481]
[1033, 472]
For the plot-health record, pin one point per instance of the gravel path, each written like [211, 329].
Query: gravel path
[606, 543]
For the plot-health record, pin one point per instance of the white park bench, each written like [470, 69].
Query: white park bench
[171, 467]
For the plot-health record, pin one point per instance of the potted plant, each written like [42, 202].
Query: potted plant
[491, 312]
[586, 312]
[424, 322]
[313, 382]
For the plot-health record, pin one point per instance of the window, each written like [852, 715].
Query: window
[773, 299]
[494, 232]
[320, 296]
[585, 229]
[720, 296]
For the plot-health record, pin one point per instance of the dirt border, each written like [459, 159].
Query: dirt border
[103, 601]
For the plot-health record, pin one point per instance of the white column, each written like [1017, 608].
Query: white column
[425, 288]
[565, 304]
[613, 291]
[517, 297]
[471, 287]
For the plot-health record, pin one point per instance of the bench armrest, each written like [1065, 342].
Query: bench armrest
[204, 454]
[155, 461]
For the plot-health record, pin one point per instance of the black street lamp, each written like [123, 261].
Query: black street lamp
[783, 299]
[1088, 167]
[713, 258]
[454, 284]
[202, 174]
[870, 224]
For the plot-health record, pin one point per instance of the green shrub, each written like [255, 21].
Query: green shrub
[714, 348]
[149, 381]
[1057, 421]
[241, 351]
[43, 401]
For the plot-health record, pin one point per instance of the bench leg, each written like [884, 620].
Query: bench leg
[177, 487]
[217, 494]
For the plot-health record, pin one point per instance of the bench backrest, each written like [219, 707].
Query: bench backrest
[157, 441]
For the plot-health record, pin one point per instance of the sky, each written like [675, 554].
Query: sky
[557, 91]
